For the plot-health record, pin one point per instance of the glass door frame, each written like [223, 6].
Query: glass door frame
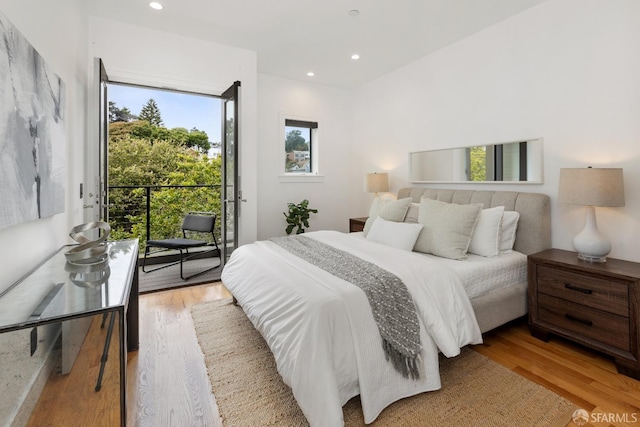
[231, 193]
[94, 188]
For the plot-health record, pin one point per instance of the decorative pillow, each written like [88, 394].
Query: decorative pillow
[447, 228]
[509, 227]
[412, 213]
[391, 210]
[400, 235]
[485, 240]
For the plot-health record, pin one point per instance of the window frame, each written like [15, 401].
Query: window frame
[291, 120]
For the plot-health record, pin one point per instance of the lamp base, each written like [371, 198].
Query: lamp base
[591, 258]
[589, 243]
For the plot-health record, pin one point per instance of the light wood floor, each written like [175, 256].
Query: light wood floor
[168, 384]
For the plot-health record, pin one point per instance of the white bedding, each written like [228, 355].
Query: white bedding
[321, 330]
[481, 275]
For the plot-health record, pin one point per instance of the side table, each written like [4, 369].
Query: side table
[49, 294]
[356, 224]
[594, 304]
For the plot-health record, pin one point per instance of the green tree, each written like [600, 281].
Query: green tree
[136, 129]
[113, 112]
[199, 140]
[478, 163]
[294, 141]
[119, 114]
[179, 136]
[151, 113]
[142, 161]
[168, 205]
[142, 129]
[133, 161]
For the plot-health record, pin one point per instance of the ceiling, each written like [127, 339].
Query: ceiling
[293, 37]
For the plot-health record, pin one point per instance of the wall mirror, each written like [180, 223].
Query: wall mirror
[508, 162]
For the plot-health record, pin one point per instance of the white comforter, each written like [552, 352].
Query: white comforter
[321, 329]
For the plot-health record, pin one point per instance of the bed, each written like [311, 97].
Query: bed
[325, 335]
[533, 235]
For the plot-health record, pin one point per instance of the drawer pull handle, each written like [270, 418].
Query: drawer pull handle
[577, 288]
[579, 320]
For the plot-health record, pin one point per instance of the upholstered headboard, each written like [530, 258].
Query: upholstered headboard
[534, 226]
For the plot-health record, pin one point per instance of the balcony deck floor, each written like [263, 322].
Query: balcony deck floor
[169, 278]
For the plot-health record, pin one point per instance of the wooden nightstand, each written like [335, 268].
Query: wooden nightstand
[356, 224]
[594, 304]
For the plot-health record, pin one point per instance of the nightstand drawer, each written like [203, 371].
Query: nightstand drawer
[606, 295]
[594, 324]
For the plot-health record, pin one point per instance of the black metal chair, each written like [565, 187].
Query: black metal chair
[193, 222]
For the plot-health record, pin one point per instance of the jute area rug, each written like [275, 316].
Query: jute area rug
[475, 390]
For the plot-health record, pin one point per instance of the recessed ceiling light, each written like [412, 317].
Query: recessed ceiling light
[155, 5]
[354, 12]
[355, 56]
[311, 74]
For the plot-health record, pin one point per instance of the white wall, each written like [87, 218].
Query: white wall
[57, 30]
[332, 109]
[565, 70]
[138, 55]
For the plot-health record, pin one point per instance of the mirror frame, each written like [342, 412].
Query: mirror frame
[535, 150]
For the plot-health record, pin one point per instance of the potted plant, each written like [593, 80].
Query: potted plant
[298, 216]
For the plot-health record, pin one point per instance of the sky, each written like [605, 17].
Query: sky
[176, 109]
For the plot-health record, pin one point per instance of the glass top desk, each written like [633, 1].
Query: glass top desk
[50, 294]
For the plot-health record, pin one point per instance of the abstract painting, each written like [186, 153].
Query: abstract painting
[32, 132]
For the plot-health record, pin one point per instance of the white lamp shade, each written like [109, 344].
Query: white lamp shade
[377, 182]
[592, 187]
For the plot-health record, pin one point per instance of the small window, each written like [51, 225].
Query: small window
[300, 137]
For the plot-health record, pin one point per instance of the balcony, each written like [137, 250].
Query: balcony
[156, 212]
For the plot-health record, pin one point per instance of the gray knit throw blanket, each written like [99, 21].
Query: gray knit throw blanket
[390, 300]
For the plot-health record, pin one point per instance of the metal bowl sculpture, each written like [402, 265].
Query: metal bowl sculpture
[88, 262]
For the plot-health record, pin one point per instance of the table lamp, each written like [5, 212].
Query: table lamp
[377, 183]
[591, 187]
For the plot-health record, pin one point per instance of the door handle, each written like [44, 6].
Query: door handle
[87, 206]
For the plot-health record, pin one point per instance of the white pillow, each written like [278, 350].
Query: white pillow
[485, 240]
[399, 235]
[391, 210]
[447, 228]
[509, 227]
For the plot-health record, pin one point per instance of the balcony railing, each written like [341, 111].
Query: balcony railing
[140, 211]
